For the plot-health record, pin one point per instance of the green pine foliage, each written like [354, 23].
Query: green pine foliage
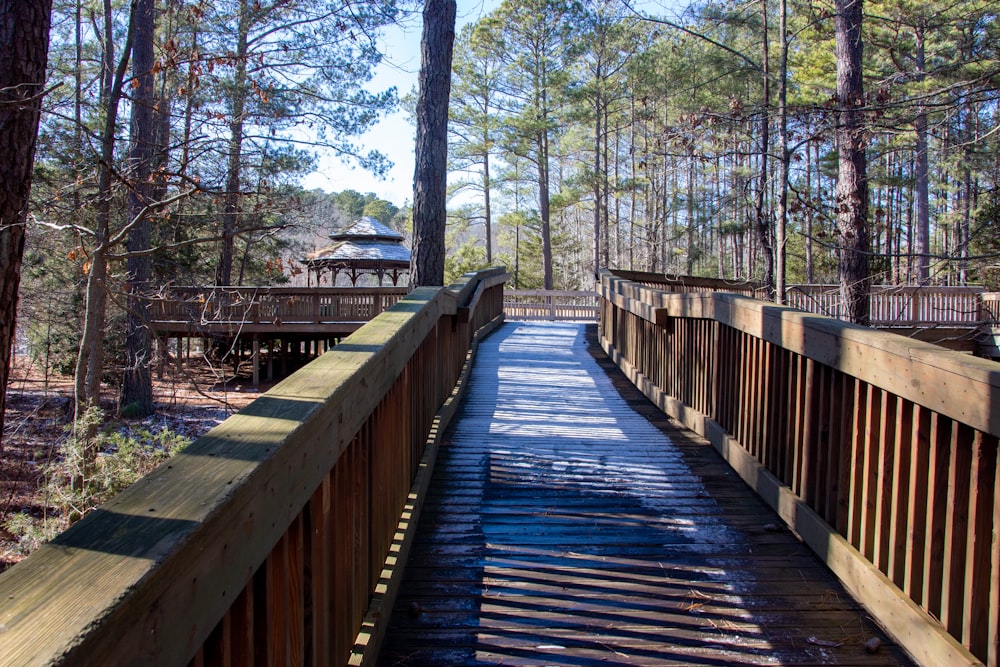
[654, 124]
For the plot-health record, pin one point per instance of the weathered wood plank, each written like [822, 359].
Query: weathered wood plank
[154, 570]
[562, 527]
[868, 368]
[954, 384]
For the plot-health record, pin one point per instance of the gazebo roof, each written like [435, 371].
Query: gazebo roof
[368, 244]
[368, 229]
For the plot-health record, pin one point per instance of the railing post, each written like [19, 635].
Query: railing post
[872, 447]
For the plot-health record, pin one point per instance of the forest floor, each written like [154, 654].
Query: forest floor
[188, 402]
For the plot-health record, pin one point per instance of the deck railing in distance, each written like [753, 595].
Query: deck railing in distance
[253, 306]
[878, 450]
[896, 305]
[677, 284]
[572, 305]
[990, 304]
[264, 541]
[891, 305]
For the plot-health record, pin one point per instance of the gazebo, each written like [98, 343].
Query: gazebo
[367, 248]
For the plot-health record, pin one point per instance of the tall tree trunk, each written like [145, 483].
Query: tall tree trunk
[852, 185]
[621, 240]
[487, 205]
[90, 363]
[921, 173]
[24, 46]
[430, 212]
[810, 212]
[761, 215]
[544, 206]
[137, 385]
[189, 104]
[691, 208]
[597, 189]
[234, 168]
[780, 240]
[967, 205]
[79, 146]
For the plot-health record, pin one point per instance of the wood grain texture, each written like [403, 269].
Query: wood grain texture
[954, 384]
[152, 575]
[563, 527]
[902, 445]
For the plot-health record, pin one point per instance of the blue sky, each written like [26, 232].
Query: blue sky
[393, 136]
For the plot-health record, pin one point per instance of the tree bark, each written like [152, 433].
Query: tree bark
[137, 385]
[922, 245]
[544, 201]
[762, 218]
[430, 212]
[852, 184]
[90, 363]
[487, 206]
[24, 46]
[234, 173]
[598, 219]
[780, 232]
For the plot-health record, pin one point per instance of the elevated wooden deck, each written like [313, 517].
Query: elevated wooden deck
[271, 311]
[571, 524]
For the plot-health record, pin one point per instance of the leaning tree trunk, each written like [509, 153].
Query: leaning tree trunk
[852, 184]
[137, 385]
[430, 211]
[24, 46]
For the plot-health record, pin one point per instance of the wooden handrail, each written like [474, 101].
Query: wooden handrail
[891, 305]
[686, 284]
[271, 305]
[898, 305]
[266, 538]
[575, 305]
[990, 308]
[878, 450]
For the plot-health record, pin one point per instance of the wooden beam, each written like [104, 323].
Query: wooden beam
[146, 577]
[922, 636]
[951, 383]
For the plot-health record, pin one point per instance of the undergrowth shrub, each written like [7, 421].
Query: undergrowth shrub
[78, 480]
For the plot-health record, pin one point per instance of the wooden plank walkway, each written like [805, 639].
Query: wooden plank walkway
[563, 527]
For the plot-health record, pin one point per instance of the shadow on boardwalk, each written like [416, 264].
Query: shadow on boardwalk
[570, 523]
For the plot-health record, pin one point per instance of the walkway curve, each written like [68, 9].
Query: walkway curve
[564, 528]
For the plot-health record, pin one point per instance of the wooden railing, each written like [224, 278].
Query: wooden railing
[268, 540]
[272, 305]
[897, 306]
[990, 308]
[676, 284]
[550, 305]
[879, 451]
[891, 305]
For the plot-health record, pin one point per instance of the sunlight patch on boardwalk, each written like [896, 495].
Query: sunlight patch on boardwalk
[564, 528]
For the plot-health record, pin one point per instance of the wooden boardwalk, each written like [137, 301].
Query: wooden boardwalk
[570, 524]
